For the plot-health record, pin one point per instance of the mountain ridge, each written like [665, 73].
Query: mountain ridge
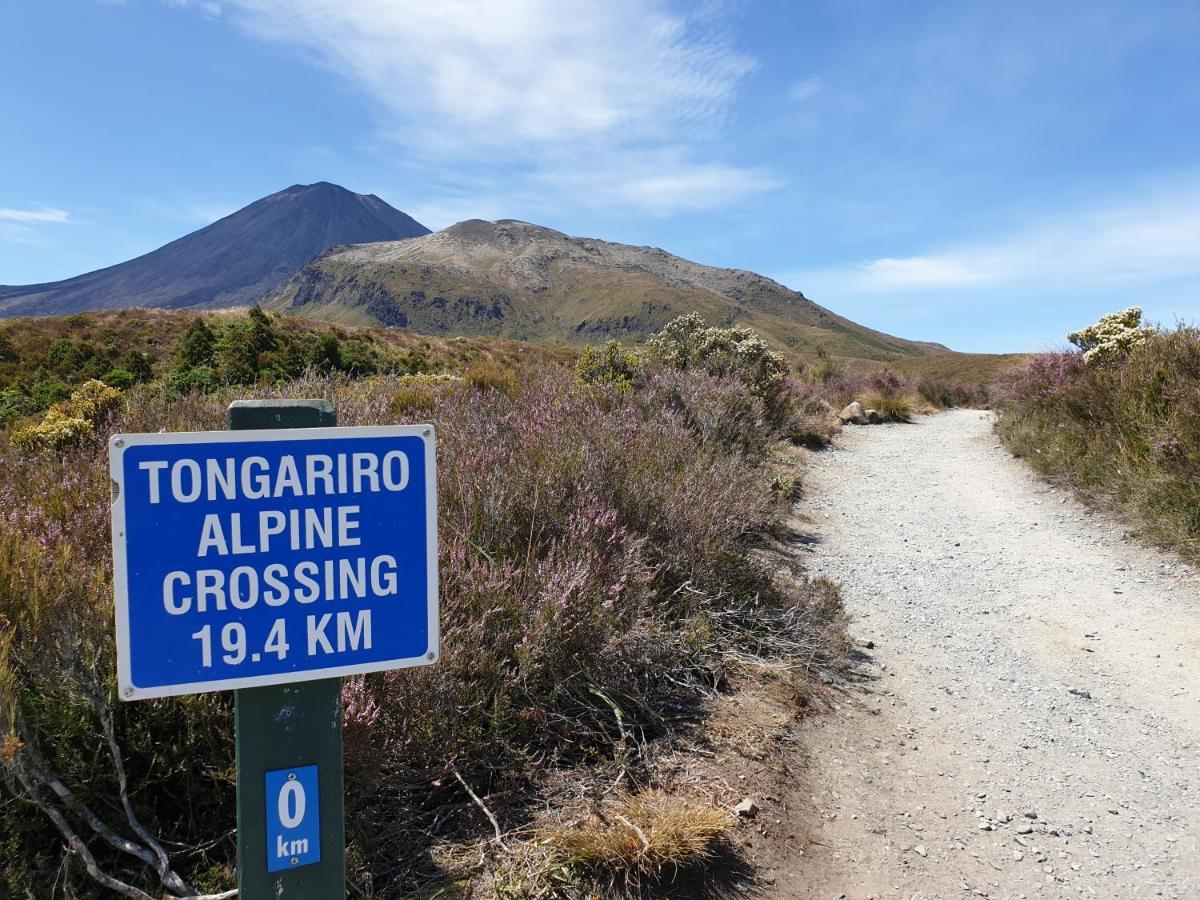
[236, 260]
[514, 279]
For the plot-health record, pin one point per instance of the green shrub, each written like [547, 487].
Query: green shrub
[196, 347]
[8, 350]
[139, 365]
[46, 391]
[201, 379]
[357, 358]
[235, 353]
[121, 379]
[15, 404]
[612, 364]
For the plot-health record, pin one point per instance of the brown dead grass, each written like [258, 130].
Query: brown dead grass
[641, 835]
[975, 369]
[891, 407]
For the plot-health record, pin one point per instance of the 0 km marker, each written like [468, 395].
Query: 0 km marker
[260, 557]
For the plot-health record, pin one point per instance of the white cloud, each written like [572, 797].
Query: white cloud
[210, 8]
[1152, 238]
[569, 94]
[920, 271]
[806, 89]
[479, 74]
[664, 184]
[45, 214]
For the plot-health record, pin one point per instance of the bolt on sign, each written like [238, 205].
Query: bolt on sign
[246, 558]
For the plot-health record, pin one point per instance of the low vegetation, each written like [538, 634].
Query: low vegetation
[1118, 418]
[599, 572]
[43, 360]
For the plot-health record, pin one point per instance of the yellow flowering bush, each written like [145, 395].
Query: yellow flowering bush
[1113, 337]
[686, 343]
[55, 431]
[611, 364]
[70, 421]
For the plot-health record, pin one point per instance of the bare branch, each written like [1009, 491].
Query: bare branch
[75, 842]
[162, 864]
[487, 812]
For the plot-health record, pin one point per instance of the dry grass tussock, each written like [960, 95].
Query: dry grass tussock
[640, 835]
[891, 407]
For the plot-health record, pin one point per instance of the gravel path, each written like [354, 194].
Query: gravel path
[1028, 722]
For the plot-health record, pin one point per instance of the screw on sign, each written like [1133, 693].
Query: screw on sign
[293, 818]
[273, 559]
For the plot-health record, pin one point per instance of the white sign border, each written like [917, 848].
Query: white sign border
[119, 443]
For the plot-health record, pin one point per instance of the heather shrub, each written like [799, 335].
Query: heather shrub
[809, 419]
[597, 565]
[943, 394]
[718, 411]
[1124, 430]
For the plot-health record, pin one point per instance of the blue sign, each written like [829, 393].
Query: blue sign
[293, 818]
[247, 558]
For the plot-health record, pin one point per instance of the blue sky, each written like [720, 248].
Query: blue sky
[988, 175]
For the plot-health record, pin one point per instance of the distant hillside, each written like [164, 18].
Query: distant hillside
[979, 369]
[522, 281]
[232, 262]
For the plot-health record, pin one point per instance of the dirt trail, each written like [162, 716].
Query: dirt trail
[1028, 722]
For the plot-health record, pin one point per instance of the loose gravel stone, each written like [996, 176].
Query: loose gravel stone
[982, 587]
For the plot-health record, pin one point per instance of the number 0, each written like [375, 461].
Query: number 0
[291, 804]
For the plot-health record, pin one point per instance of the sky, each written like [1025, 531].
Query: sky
[983, 174]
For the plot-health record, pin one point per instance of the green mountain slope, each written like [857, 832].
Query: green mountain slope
[522, 281]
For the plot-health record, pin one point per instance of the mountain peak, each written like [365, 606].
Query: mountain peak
[235, 261]
[519, 280]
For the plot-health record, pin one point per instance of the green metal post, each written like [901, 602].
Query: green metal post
[286, 726]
